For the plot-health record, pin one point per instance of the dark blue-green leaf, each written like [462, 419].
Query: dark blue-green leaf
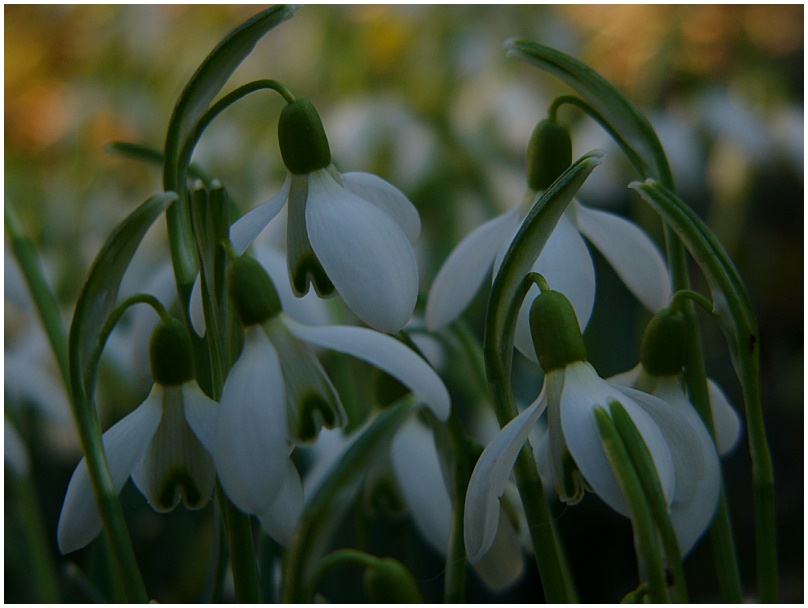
[100, 293]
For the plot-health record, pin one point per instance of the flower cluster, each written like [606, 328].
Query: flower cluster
[250, 406]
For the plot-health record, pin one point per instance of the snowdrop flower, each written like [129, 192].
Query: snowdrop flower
[660, 374]
[571, 394]
[158, 444]
[278, 395]
[351, 233]
[419, 477]
[565, 260]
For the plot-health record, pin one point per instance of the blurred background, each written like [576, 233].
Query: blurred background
[425, 97]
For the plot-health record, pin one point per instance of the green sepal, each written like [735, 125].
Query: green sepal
[171, 354]
[664, 343]
[252, 292]
[549, 153]
[621, 118]
[302, 138]
[556, 334]
[387, 581]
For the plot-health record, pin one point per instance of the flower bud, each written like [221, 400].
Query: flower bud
[549, 153]
[556, 334]
[252, 292]
[389, 582]
[302, 138]
[664, 344]
[171, 354]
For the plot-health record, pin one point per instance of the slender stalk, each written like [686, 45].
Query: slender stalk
[242, 550]
[454, 588]
[641, 517]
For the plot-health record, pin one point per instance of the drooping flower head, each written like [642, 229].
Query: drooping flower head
[572, 449]
[662, 356]
[158, 444]
[347, 233]
[565, 260]
[278, 396]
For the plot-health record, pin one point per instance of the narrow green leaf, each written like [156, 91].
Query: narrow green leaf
[619, 115]
[324, 511]
[730, 299]
[208, 80]
[100, 292]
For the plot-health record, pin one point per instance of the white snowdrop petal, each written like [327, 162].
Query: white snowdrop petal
[583, 391]
[247, 228]
[503, 565]
[727, 422]
[386, 197]
[464, 270]
[631, 252]
[677, 420]
[250, 445]
[280, 517]
[364, 252]
[385, 353]
[200, 412]
[695, 457]
[124, 445]
[487, 483]
[419, 477]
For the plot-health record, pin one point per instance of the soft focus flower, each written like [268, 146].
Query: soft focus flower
[350, 232]
[278, 395]
[686, 464]
[564, 261]
[419, 477]
[158, 444]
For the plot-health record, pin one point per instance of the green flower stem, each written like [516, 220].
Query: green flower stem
[641, 517]
[454, 586]
[41, 294]
[242, 550]
[646, 472]
[37, 542]
[89, 431]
